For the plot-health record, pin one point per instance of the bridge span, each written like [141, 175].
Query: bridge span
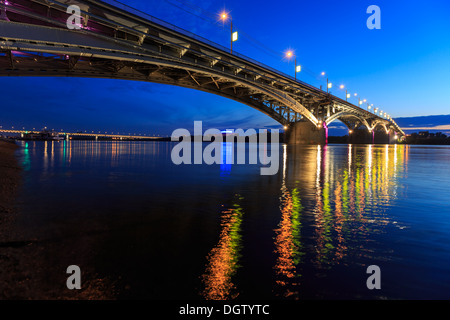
[68, 135]
[119, 42]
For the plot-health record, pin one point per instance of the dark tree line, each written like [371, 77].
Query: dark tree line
[426, 137]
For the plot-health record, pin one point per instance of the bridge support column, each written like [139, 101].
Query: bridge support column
[360, 136]
[381, 137]
[304, 132]
[393, 137]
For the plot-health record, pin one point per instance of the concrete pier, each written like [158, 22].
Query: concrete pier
[360, 136]
[304, 132]
[381, 137]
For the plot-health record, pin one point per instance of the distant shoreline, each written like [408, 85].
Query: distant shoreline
[331, 140]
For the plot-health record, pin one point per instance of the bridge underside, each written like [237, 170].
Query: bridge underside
[34, 41]
[13, 63]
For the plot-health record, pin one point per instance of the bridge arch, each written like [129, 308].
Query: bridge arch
[380, 124]
[345, 114]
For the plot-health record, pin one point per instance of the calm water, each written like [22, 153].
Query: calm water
[146, 228]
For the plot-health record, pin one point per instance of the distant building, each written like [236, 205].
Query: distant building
[42, 135]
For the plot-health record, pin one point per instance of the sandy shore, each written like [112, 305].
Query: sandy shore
[27, 271]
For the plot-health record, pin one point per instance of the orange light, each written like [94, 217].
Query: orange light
[289, 54]
[224, 16]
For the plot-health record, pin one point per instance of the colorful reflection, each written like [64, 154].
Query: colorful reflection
[349, 201]
[26, 163]
[113, 153]
[227, 158]
[288, 245]
[223, 259]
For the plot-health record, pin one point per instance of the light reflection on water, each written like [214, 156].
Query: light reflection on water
[223, 260]
[307, 232]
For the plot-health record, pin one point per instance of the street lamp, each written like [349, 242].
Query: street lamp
[298, 68]
[329, 85]
[347, 95]
[234, 35]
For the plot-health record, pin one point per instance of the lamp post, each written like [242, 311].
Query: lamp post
[298, 68]
[347, 95]
[233, 35]
[329, 85]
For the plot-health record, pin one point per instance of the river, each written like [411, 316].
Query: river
[141, 227]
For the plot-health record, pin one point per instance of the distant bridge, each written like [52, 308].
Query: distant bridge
[119, 42]
[84, 135]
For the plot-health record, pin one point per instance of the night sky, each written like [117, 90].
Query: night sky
[403, 68]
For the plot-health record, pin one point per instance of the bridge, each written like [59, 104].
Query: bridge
[93, 135]
[118, 42]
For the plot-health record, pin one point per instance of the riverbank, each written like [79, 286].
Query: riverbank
[27, 259]
[10, 177]
[9, 180]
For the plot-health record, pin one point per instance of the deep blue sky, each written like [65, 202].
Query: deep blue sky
[404, 68]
